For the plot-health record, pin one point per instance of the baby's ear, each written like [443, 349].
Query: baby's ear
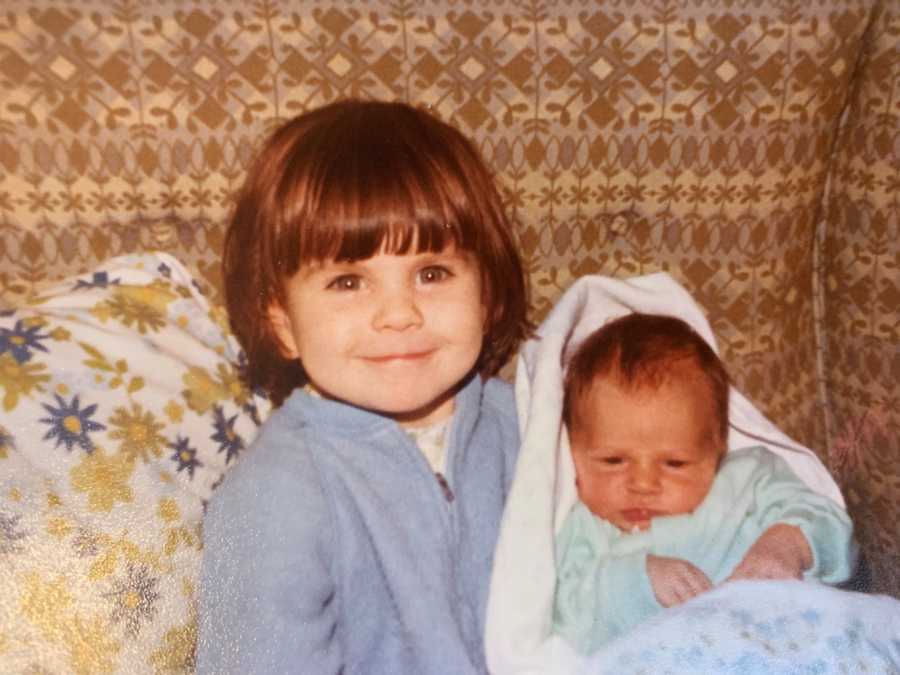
[280, 321]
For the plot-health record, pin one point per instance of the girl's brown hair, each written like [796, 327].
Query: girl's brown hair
[643, 351]
[345, 182]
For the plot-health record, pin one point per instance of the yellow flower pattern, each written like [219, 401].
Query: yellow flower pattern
[110, 443]
[6, 441]
[202, 391]
[85, 640]
[19, 379]
[143, 307]
[139, 433]
[104, 479]
[176, 652]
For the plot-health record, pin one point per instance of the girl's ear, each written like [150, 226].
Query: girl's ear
[280, 321]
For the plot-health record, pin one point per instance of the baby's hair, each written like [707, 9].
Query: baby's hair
[345, 182]
[644, 351]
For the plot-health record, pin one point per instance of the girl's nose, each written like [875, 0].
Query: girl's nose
[397, 310]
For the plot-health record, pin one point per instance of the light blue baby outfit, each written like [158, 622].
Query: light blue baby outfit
[332, 546]
[602, 585]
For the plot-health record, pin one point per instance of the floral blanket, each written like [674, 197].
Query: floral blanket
[121, 406]
[763, 628]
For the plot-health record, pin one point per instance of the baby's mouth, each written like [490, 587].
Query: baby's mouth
[640, 515]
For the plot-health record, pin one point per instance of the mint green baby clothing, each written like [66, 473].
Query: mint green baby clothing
[602, 584]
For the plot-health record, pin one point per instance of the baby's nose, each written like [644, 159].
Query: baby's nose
[644, 478]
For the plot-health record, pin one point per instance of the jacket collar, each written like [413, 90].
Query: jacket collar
[347, 420]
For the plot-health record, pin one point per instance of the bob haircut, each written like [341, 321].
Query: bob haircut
[347, 181]
[644, 351]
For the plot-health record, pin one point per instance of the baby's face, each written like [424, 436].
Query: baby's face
[645, 453]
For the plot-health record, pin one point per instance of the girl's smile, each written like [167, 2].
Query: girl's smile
[401, 357]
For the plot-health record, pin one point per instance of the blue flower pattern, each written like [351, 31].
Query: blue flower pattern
[762, 628]
[22, 341]
[185, 456]
[228, 439]
[70, 424]
[98, 280]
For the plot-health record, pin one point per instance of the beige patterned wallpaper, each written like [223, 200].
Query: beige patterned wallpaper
[630, 135]
[863, 302]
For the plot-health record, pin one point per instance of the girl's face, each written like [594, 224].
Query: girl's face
[643, 454]
[394, 334]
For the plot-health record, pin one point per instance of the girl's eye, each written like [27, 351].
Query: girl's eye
[434, 274]
[676, 463]
[611, 461]
[345, 282]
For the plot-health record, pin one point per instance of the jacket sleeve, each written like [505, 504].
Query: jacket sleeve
[781, 497]
[599, 594]
[267, 594]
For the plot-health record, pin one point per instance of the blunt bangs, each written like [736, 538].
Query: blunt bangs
[380, 192]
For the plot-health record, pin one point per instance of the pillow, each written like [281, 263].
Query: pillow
[123, 406]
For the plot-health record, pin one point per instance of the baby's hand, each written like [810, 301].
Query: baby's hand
[781, 552]
[675, 580]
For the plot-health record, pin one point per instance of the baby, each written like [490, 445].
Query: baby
[665, 513]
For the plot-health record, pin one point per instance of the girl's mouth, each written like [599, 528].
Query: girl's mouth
[401, 356]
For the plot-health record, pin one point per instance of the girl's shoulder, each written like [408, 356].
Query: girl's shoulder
[277, 465]
[283, 436]
[500, 397]
[498, 413]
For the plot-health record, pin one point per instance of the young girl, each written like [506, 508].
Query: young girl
[373, 281]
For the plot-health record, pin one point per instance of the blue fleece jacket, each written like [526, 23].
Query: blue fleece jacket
[332, 547]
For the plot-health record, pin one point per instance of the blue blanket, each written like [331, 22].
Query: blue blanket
[763, 627]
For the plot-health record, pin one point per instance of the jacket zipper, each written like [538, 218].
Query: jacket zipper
[445, 486]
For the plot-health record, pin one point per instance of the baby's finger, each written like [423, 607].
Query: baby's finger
[702, 582]
[746, 569]
[739, 574]
[668, 597]
[696, 582]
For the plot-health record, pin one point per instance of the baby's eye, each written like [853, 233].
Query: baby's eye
[611, 460]
[433, 274]
[676, 463]
[345, 282]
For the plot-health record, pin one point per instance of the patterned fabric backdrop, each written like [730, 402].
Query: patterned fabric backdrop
[629, 136]
[862, 279]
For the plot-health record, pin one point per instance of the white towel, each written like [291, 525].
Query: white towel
[520, 606]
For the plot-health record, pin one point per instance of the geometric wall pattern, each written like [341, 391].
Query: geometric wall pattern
[629, 136]
[862, 300]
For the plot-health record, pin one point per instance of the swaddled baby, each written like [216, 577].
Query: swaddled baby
[664, 512]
